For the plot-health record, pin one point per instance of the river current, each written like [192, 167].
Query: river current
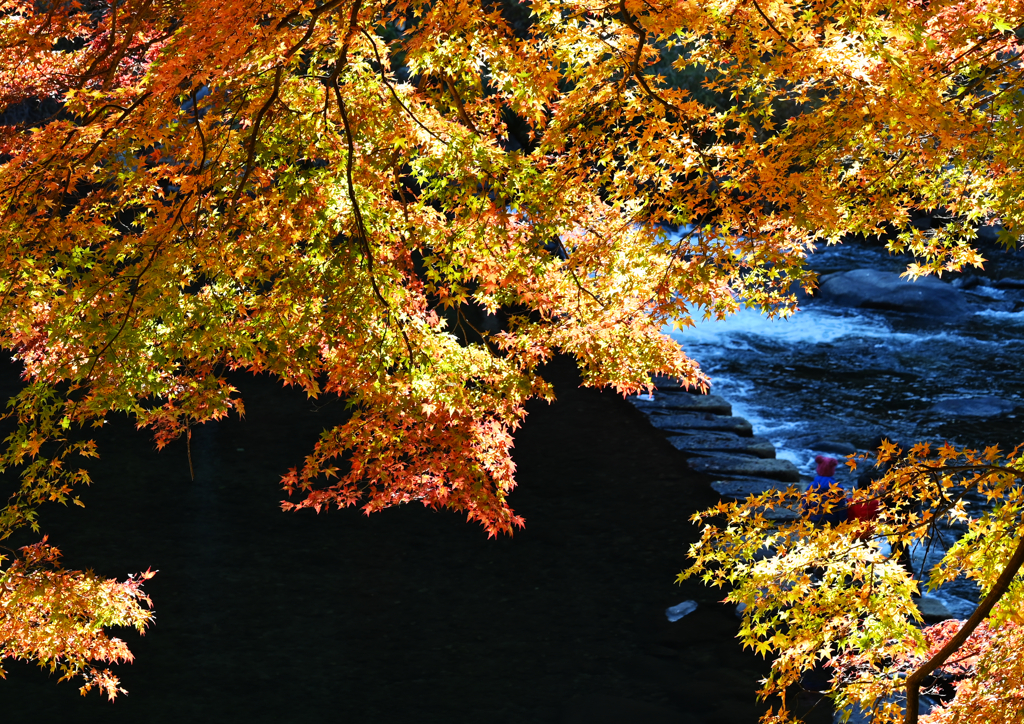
[852, 375]
[830, 375]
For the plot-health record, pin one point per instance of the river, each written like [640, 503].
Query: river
[851, 375]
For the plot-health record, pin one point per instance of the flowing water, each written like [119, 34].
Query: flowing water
[841, 375]
[852, 375]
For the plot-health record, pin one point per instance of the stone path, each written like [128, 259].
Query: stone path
[741, 464]
[722, 445]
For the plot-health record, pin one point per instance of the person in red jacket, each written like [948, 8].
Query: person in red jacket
[865, 511]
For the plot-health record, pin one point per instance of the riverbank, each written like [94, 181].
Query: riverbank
[407, 615]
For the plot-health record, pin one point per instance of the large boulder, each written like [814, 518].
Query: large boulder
[873, 289]
[983, 406]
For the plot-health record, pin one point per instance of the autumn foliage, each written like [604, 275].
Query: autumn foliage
[413, 205]
[834, 595]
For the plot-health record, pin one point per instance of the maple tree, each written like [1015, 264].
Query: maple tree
[412, 205]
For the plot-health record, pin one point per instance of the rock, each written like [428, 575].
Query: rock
[989, 233]
[957, 607]
[663, 383]
[1009, 284]
[970, 281]
[983, 406]
[746, 465]
[723, 442]
[674, 613]
[871, 289]
[839, 448]
[742, 486]
[706, 421]
[683, 401]
[933, 608]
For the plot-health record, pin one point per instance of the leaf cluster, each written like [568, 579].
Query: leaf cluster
[834, 595]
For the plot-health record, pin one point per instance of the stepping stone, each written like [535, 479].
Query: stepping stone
[706, 421]
[721, 442]
[684, 402]
[741, 486]
[746, 465]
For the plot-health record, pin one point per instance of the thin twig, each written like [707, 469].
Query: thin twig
[775, 29]
[188, 448]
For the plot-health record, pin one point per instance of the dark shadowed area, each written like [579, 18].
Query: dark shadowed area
[409, 615]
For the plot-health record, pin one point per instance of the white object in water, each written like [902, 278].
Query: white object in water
[646, 396]
[674, 613]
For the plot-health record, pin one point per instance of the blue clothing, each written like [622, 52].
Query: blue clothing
[829, 491]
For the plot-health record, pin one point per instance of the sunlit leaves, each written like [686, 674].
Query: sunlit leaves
[57, 617]
[827, 593]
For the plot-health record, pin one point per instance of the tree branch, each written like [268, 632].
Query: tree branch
[915, 680]
[255, 131]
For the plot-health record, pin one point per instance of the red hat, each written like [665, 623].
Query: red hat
[826, 465]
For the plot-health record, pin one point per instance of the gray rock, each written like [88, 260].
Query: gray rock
[684, 402]
[989, 232]
[958, 607]
[982, 406]
[1009, 284]
[933, 608]
[746, 465]
[723, 442]
[706, 421]
[872, 289]
[839, 448]
[741, 487]
[970, 281]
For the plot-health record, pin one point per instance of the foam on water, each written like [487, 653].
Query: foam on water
[817, 325]
[1015, 318]
[888, 369]
[809, 325]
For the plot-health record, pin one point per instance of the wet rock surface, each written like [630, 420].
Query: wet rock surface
[983, 406]
[704, 442]
[739, 487]
[874, 289]
[703, 422]
[679, 401]
[746, 465]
